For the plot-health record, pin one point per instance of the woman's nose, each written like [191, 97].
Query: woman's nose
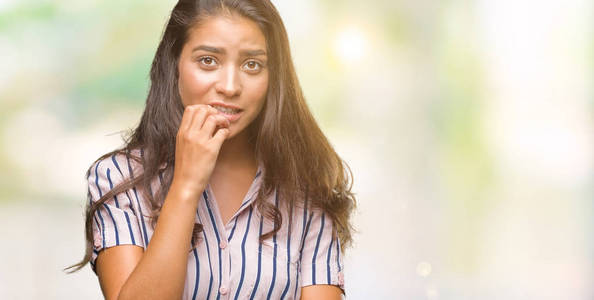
[229, 83]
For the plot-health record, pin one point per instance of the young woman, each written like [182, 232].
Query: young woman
[227, 189]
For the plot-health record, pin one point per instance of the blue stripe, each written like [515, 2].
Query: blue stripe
[302, 233]
[146, 240]
[131, 204]
[232, 230]
[306, 232]
[274, 260]
[130, 228]
[259, 261]
[89, 190]
[338, 254]
[115, 225]
[209, 262]
[214, 225]
[288, 260]
[244, 203]
[328, 261]
[313, 259]
[96, 222]
[97, 179]
[115, 162]
[122, 174]
[247, 229]
[100, 195]
[250, 198]
[118, 206]
[111, 187]
[102, 227]
[196, 282]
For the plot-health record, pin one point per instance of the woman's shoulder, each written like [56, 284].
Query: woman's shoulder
[116, 166]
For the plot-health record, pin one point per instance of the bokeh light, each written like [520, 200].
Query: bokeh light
[350, 45]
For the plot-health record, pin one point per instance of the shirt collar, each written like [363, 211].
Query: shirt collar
[250, 195]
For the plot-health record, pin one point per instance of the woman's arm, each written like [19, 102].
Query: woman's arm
[114, 265]
[160, 272]
[125, 272]
[321, 291]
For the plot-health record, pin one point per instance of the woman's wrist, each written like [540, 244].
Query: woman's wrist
[185, 192]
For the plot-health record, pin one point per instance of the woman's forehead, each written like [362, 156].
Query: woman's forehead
[222, 32]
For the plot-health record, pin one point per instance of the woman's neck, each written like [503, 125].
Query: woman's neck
[236, 152]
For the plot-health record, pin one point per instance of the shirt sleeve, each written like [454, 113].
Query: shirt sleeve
[115, 222]
[321, 259]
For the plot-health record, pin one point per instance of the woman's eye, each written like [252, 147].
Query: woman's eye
[253, 65]
[207, 61]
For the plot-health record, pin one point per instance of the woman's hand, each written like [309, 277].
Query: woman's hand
[197, 146]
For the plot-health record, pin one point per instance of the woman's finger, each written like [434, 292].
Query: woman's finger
[202, 112]
[211, 123]
[211, 111]
[220, 137]
[186, 120]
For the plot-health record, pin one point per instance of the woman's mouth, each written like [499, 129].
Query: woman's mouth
[232, 114]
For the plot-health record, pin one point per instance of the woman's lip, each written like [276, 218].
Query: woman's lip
[231, 117]
[224, 105]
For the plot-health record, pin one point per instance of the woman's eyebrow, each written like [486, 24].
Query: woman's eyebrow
[222, 51]
[252, 52]
[209, 49]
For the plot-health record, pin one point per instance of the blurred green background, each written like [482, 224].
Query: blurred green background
[468, 126]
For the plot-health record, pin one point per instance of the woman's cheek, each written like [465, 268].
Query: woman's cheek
[261, 86]
[196, 88]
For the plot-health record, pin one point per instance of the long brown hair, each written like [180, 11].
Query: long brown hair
[299, 161]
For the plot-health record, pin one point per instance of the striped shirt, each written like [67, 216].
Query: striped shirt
[225, 261]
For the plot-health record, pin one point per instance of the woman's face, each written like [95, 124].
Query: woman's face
[224, 64]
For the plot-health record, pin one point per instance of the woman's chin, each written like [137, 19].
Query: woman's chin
[236, 133]
[231, 135]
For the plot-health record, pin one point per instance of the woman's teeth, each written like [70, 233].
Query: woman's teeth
[226, 110]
